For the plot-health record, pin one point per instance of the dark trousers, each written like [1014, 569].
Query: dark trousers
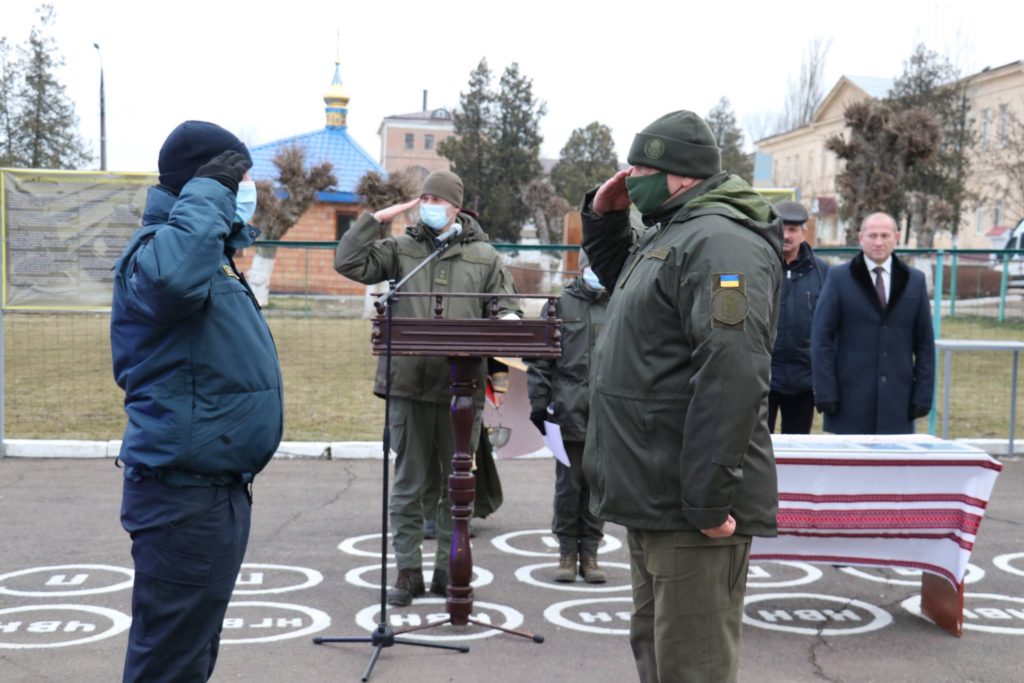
[797, 411]
[187, 544]
[577, 529]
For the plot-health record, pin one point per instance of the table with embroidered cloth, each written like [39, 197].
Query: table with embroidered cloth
[911, 501]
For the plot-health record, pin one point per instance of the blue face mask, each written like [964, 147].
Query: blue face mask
[245, 203]
[590, 277]
[434, 216]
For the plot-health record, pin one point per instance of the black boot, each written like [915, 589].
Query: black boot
[408, 585]
[439, 584]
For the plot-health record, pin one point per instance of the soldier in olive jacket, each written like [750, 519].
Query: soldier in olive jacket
[421, 432]
[561, 383]
[678, 449]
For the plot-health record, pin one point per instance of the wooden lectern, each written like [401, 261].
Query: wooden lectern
[465, 342]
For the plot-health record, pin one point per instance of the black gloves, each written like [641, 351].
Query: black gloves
[227, 168]
[827, 407]
[537, 418]
[918, 411]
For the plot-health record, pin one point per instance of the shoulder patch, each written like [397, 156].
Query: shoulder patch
[227, 271]
[729, 304]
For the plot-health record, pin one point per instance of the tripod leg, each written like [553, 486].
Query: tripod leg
[535, 637]
[373, 661]
[439, 646]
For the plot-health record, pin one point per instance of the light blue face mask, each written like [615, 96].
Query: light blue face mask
[434, 216]
[590, 277]
[245, 203]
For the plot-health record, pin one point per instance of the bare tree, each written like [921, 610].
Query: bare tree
[379, 192]
[1004, 162]
[276, 215]
[805, 96]
[546, 208]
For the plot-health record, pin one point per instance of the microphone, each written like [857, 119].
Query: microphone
[448, 234]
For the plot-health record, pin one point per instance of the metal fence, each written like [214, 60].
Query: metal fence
[57, 381]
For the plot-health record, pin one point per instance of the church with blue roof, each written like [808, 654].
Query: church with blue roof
[333, 212]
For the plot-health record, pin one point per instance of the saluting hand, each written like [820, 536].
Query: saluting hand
[728, 528]
[388, 214]
[612, 196]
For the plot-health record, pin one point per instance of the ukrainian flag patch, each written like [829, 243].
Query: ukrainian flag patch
[728, 280]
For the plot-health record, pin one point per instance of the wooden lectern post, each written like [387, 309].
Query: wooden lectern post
[465, 342]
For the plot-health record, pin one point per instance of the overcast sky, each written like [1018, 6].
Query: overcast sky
[262, 72]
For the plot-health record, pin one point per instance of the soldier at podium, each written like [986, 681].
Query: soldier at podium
[421, 431]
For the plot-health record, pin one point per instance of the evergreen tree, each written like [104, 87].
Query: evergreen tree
[937, 190]
[471, 149]
[722, 122]
[44, 123]
[496, 149]
[9, 155]
[588, 158]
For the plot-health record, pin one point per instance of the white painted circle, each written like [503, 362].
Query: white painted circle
[68, 567]
[973, 575]
[313, 578]
[368, 618]
[1003, 562]
[608, 544]
[881, 620]
[811, 574]
[913, 605]
[119, 624]
[349, 546]
[355, 576]
[554, 615]
[319, 621]
[525, 574]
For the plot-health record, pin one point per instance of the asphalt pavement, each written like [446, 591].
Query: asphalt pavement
[312, 569]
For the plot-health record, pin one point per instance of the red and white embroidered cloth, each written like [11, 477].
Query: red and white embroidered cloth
[908, 501]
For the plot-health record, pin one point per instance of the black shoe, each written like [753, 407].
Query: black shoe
[439, 583]
[408, 585]
[429, 529]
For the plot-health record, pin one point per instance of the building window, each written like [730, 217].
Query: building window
[410, 141]
[981, 217]
[983, 133]
[824, 154]
[997, 214]
[1004, 125]
[342, 222]
[428, 141]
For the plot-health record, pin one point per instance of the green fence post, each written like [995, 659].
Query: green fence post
[952, 286]
[1002, 286]
[937, 327]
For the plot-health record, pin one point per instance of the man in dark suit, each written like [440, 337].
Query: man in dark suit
[872, 346]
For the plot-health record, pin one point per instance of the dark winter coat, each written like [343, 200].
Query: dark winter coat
[791, 358]
[562, 382]
[190, 347]
[678, 431]
[875, 364]
[470, 265]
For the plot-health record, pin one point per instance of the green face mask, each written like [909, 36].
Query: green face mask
[647, 192]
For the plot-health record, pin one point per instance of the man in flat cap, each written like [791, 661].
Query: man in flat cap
[421, 431]
[203, 396]
[792, 392]
[678, 449]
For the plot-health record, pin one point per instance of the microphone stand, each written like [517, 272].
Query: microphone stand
[384, 636]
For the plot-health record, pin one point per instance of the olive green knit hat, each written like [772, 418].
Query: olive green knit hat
[446, 185]
[680, 143]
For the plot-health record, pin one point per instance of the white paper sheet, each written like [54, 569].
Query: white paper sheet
[553, 440]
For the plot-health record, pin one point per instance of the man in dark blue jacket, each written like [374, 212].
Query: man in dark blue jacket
[873, 349]
[203, 395]
[792, 390]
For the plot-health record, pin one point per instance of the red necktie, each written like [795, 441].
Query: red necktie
[880, 284]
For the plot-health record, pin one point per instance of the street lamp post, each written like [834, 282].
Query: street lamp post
[103, 115]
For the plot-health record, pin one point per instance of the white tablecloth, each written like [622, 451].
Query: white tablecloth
[908, 501]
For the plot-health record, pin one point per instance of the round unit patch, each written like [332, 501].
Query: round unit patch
[654, 149]
[729, 306]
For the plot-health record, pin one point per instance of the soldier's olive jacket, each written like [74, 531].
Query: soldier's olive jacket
[562, 382]
[678, 435]
[470, 264]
